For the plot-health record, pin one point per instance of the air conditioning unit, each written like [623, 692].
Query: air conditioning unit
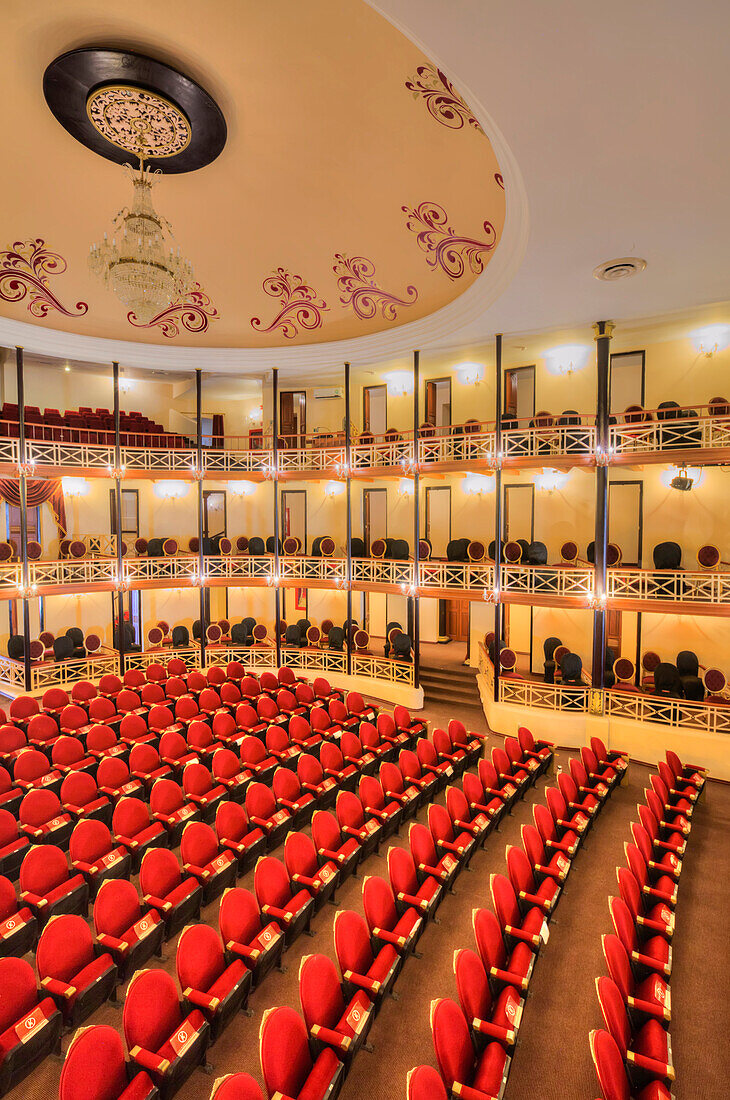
[327, 394]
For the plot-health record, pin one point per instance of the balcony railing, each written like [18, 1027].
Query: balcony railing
[647, 430]
[472, 442]
[679, 713]
[542, 581]
[73, 572]
[378, 571]
[456, 576]
[320, 571]
[669, 586]
[543, 436]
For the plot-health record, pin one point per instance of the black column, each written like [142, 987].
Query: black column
[199, 475]
[118, 521]
[22, 489]
[275, 448]
[348, 487]
[498, 520]
[416, 525]
[603, 331]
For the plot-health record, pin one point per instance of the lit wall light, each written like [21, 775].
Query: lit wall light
[399, 382]
[334, 488]
[711, 338]
[550, 480]
[241, 488]
[478, 484]
[470, 374]
[126, 384]
[695, 475]
[74, 486]
[566, 358]
[256, 414]
[405, 487]
[170, 490]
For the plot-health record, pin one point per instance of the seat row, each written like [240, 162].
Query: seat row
[633, 1056]
[474, 1039]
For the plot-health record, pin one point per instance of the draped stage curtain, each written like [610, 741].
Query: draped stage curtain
[38, 492]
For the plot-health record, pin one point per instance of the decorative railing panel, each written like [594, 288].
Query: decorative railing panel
[382, 668]
[66, 673]
[11, 576]
[85, 456]
[167, 459]
[314, 660]
[556, 441]
[380, 571]
[540, 580]
[637, 707]
[307, 570]
[459, 447]
[672, 586]
[248, 461]
[533, 693]
[314, 459]
[365, 456]
[460, 576]
[690, 433]
[12, 673]
[74, 572]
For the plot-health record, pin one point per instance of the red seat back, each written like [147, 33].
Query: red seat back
[284, 1048]
[379, 903]
[64, 948]
[451, 1042]
[320, 993]
[239, 918]
[151, 1010]
[271, 882]
[300, 855]
[199, 960]
[94, 1066]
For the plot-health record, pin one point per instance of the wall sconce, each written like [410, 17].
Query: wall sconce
[74, 486]
[256, 414]
[550, 480]
[399, 383]
[241, 488]
[470, 374]
[710, 339]
[125, 385]
[405, 487]
[478, 484]
[682, 478]
[566, 358]
[170, 490]
[334, 488]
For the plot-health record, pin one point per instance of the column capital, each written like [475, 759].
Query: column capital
[608, 327]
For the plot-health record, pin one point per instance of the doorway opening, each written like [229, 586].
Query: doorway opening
[519, 393]
[438, 402]
[215, 522]
[375, 409]
[626, 519]
[294, 524]
[626, 380]
[293, 417]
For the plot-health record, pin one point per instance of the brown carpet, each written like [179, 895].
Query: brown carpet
[553, 1047]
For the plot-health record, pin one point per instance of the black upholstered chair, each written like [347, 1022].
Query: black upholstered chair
[256, 546]
[180, 637]
[609, 676]
[686, 434]
[548, 648]
[358, 546]
[270, 544]
[688, 668]
[667, 680]
[402, 648]
[76, 635]
[571, 667]
[16, 647]
[154, 548]
[241, 635]
[492, 550]
[63, 648]
[388, 628]
[457, 550]
[537, 553]
[336, 639]
[525, 550]
[667, 555]
[303, 626]
[293, 637]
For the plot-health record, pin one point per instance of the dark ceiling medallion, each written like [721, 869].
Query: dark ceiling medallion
[123, 105]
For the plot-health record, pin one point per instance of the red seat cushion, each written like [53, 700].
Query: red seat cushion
[322, 1073]
[490, 1070]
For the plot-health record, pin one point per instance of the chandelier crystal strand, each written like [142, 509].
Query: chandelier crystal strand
[141, 264]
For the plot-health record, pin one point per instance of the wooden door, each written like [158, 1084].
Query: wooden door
[613, 630]
[374, 516]
[293, 417]
[457, 620]
[431, 403]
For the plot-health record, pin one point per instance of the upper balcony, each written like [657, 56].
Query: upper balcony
[86, 445]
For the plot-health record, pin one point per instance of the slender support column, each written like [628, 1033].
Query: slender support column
[23, 492]
[603, 331]
[498, 518]
[348, 487]
[121, 640]
[199, 475]
[275, 481]
[416, 526]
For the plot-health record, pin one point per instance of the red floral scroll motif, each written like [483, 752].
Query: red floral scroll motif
[300, 306]
[25, 268]
[445, 248]
[194, 313]
[356, 282]
[441, 98]
[498, 177]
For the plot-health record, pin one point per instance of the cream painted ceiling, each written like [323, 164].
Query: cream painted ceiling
[326, 146]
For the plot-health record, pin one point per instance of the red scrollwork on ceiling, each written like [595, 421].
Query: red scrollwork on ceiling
[193, 313]
[445, 249]
[25, 270]
[301, 307]
[500, 179]
[358, 288]
[442, 100]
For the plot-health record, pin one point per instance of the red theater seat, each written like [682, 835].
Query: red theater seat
[175, 897]
[262, 811]
[387, 731]
[200, 789]
[373, 743]
[474, 822]
[160, 1039]
[545, 864]
[543, 892]
[102, 742]
[94, 1069]
[302, 736]
[644, 999]
[13, 846]
[647, 1054]
[528, 927]
[461, 845]
[290, 795]
[496, 786]
[42, 818]
[290, 907]
[539, 750]
[30, 1025]
[489, 1017]
[424, 895]
[648, 951]
[130, 932]
[401, 928]
[175, 752]
[393, 787]
[424, 1083]
[427, 860]
[335, 767]
[236, 1086]
[259, 943]
[132, 828]
[431, 765]
[114, 780]
[507, 773]
[427, 783]
[18, 926]
[68, 755]
[567, 843]
[47, 887]
[448, 753]
[208, 983]
[146, 766]
[256, 761]
[469, 742]
[236, 836]
[214, 869]
[356, 756]
[611, 1073]
[312, 777]
[354, 824]
[81, 798]
[228, 771]
[476, 1077]
[502, 967]
[360, 967]
[93, 853]
[78, 975]
[332, 1021]
[344, 852]
[287, 1064]
[300, 858]
[171, 809]
[388, 812]
[32, 771]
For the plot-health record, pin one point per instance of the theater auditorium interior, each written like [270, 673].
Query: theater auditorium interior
[364, 550]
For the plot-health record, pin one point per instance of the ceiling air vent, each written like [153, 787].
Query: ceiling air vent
[619, 269]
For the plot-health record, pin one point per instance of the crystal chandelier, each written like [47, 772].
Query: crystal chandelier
[140, 264]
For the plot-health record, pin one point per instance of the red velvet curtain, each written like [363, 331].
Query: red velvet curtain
[38, 492]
